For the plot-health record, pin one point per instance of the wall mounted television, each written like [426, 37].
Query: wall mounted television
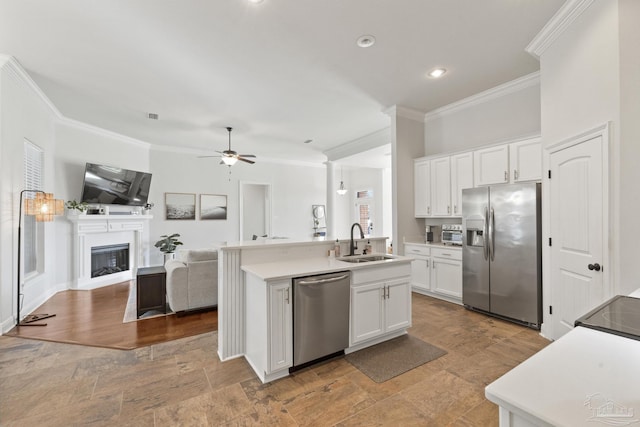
[109, 185]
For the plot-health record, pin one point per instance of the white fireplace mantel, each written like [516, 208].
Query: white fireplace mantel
[99, 230]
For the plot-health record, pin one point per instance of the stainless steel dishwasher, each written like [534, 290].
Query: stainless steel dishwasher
[320, 316]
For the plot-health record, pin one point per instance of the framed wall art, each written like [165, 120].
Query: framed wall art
[213, 206]
[180, 205]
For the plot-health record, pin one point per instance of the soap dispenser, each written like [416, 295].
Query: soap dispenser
[337, 248]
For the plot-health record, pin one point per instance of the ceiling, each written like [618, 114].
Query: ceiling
[280, 72]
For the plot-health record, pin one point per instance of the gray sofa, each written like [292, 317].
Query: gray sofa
[192, 280]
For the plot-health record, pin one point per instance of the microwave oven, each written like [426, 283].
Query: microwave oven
[452, 234]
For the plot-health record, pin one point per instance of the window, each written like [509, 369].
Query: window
[32, 231]
[364, 210]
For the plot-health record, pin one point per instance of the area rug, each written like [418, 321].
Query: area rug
[389, 359]
[131, 309]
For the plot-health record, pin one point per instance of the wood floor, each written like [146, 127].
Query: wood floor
[95, 318]
[183, 383]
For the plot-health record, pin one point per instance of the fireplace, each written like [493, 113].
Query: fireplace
[107, 249]
[109, 259]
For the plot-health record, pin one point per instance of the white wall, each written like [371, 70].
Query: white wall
[77, 144]
[505, 115]
[407, 143]
[629, 33]
[295, 189]
[360, 179]
[23, 114]
[590, 78]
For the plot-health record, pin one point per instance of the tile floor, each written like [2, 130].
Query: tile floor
[183, 383]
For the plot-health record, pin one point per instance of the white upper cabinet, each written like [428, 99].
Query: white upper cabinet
[525, 158]
[422, 187]
[440, 187]
[461, 178]
[491, 165]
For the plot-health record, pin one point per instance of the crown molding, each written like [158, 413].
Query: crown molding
[102, 132]
[367, 142]
[15, 70]
[557, 25]
[10, 64]
[407, 113]
[486, 96]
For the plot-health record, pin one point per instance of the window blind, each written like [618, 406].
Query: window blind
[33, 172]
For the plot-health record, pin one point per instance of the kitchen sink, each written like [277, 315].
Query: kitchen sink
[365, 258]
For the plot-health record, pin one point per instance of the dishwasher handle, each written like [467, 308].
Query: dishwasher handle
[321, 281]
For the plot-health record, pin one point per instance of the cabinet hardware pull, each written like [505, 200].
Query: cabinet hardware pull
[388, 292]
[427, 263]
[515, 175]
[428, 210]
[506, 176]
[286, 298]
[455, 208]
[448, 209]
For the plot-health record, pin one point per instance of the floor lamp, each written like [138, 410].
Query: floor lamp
[43, 207]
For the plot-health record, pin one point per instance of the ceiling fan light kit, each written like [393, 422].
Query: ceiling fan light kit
[230, 157]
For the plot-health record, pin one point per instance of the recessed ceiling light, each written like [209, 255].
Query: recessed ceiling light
[366, 41]
[437, 72]
[255, 1]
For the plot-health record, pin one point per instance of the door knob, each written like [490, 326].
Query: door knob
[595, 267]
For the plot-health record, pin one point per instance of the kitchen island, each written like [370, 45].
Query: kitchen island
[232, 257]
[379, 306]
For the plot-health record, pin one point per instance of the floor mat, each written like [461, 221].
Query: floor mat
[389, 359]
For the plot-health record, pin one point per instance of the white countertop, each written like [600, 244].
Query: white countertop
[248, 244]
[565, 383]
[312, 266]
[435, 245]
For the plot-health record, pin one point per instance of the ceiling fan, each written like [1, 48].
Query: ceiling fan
[230, 157]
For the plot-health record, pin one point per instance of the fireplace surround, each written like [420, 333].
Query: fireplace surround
[102, 235]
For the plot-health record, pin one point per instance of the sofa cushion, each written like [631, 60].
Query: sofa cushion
[194, 255]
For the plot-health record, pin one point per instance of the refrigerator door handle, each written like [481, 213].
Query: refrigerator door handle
[485, 236]
[492, 245]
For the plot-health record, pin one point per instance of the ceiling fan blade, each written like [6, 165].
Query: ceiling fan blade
[204, 157]
[246, 160]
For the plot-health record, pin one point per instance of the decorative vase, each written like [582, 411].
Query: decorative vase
[168, 256]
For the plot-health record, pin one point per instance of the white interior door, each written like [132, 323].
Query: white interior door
[255, 210]
[577, 223]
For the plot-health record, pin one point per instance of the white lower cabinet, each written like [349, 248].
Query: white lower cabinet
[269, 327]
[280, 325]
[446, 272]
[420, 266]
[436, 271]
[380, 303]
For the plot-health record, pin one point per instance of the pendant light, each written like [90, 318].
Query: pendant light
[341, 190]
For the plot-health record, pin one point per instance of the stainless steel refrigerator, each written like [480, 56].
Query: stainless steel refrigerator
[502, 253]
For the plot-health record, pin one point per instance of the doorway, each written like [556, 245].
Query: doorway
[255, 210]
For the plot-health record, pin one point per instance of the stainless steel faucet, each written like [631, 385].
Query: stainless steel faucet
[352, 245]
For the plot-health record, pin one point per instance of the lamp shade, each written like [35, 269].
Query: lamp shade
[229, 160]
[342, 190]
[44, 207]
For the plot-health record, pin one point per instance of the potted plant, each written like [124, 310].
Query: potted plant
[168, 244]
[76, 208]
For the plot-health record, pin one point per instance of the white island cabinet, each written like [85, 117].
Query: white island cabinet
[269, 346]
[380, 304]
